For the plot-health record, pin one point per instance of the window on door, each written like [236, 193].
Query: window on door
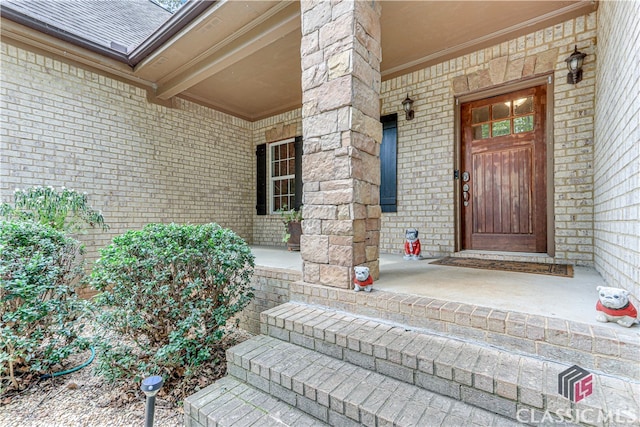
[503, 118]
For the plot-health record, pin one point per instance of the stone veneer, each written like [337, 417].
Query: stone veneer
[341, 56]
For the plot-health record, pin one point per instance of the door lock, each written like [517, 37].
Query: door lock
[465, 188]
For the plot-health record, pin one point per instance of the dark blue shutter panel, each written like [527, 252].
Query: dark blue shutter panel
[389, 163]
[298, 179]
[261, 179]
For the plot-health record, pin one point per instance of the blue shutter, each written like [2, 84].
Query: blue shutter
[298, 180]
[261, 179]
[389, 163]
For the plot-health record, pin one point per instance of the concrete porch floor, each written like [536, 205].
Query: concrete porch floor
[550, 296]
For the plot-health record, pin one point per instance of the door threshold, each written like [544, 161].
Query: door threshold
[505, 256]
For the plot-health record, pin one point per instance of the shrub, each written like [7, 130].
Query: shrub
[65, 210]
[40, 272]
[168, 290]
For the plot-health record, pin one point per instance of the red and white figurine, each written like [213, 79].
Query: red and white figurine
[614, 306]
[412, 245]
[362, 280]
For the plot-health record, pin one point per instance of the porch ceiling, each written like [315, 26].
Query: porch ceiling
[243, 56]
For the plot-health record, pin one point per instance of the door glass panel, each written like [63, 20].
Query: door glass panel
[523, 124]
[502, 127]
[523, 106]
[501, 110]
[479, 115]
[481, 131]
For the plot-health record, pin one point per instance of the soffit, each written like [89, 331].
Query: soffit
[419, 33]
[243, 57]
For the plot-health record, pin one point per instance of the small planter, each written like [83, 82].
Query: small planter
[292, 220]
[294, 229]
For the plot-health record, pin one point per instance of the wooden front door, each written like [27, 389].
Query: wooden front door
[503, 175]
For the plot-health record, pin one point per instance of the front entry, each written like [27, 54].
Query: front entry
[503, 174]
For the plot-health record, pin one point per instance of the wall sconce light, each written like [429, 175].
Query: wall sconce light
[574, 64]
[407, 105]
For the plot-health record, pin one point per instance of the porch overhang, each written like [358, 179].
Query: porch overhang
[243, 57]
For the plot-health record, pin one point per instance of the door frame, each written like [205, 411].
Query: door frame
[546, 79]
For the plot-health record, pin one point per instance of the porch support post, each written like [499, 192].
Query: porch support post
[342, 133]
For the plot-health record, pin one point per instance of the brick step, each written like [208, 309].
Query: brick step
[607, 348]
[231, 402]
[503, 381]
[342, 394]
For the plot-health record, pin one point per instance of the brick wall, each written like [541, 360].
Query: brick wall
[271, 288]
[268, 229]
[65, 125]
[140, 162]
[617, 146]
[426, 144]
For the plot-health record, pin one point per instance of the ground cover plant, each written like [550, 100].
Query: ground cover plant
[41, 316]
[41, 271]
[166, 294]
[65, 209]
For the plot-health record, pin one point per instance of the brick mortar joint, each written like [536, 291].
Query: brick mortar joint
[447, 324]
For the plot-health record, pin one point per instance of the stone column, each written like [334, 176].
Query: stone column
[340, 56]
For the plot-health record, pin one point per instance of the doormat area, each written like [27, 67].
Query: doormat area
[513, 266]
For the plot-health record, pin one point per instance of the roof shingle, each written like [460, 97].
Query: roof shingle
[125, 22]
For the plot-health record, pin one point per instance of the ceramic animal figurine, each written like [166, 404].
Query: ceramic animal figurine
[362, 280]
[614, 306]
[412, 245]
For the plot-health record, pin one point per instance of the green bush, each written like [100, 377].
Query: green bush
[40, 272]
[168, 290]
[65, 210]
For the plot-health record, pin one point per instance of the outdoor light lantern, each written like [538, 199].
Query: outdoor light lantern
[574, 64]
[407, 105]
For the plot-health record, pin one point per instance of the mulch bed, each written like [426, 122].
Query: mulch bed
[83, 398]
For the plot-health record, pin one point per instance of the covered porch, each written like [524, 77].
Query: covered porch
[473, 340]
[571, 299]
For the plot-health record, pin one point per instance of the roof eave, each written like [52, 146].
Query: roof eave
[171, 27]
[43, 27]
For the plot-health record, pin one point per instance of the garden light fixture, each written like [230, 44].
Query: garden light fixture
[150, 386]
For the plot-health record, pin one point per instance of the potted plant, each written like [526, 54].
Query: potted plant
[292, 220]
